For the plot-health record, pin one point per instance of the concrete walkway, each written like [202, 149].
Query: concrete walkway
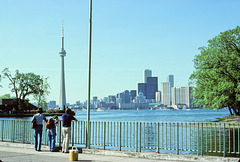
[15, 152]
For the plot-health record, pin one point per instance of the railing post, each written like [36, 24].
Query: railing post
[202, 141]
[136, 136]
[177, 138]
[120, 136]
[12, 130]
[140, 136]
[224, 141]
[73, 134]
[2, 129]
[60, 133]
[104, 136]
[158, 137]
[23, 132]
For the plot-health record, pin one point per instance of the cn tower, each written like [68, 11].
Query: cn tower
[62, 54]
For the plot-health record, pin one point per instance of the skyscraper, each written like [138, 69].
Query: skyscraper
[62, 54]
[165, 93]
[181, 96]
[152, 87]
[170, 79]
[146, 73]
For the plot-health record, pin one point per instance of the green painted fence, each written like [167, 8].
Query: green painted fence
[200, 138]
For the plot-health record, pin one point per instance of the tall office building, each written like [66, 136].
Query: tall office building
[146, 73]
[182, 96]
[62, 54]
[133, 94]
[165, 93]
[170, 79]
[152, 87]
[158, 97]
[142, 87]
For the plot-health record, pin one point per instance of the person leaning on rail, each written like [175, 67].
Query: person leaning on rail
[39, 117]
[66, 129]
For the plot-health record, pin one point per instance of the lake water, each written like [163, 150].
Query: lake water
[195, 115]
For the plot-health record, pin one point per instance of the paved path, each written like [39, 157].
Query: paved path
[8, 154]
[17, 152]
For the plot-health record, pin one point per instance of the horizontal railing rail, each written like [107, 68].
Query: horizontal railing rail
[199, 138]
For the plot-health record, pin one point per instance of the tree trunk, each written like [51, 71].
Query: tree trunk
[235, 111]
[230, 111]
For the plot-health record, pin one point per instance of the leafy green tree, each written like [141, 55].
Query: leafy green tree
[40, 97]
[24, 85]
[216, 79]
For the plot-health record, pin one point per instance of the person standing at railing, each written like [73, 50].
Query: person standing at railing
[67, 118]
[51, 130]
[39, 117]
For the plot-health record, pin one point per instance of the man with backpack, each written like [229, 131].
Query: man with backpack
[51, 130]
[39, 117]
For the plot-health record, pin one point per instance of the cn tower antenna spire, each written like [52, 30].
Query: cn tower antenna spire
[62, 54]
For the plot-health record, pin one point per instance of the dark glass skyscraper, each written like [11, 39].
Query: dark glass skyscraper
[142, 87]
[152, 87]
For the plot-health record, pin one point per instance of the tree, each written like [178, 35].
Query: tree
[24, 85]
[43, 92]
[216, 80]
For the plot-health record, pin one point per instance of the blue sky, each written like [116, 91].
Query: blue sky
[128, 37]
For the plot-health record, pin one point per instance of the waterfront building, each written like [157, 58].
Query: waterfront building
[52, 104]
[146, 73]
[62, 54]
[95, 102]
[141, 98]
[152, 87]
[158, 97]
[111, 99]
[126, 96]
[170, 79]
[181, 96]
[165, 93]
[142, 87]
[133, 94]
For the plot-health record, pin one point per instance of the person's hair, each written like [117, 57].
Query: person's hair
[39, 110]
[68, 111]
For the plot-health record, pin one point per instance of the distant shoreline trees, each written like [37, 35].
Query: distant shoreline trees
[216, 79]
[24, 85]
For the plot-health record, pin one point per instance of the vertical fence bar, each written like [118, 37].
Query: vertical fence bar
[136, 136]
[197, 138]
[104, 136]
[158, 138]
[202, 139]
[140, 136]
[229, 134]
[224, 141]
[234, 139]
[73, 134]
[166, 136]
[177, 138]
[23, 132]
[2, 129]
[120, 136]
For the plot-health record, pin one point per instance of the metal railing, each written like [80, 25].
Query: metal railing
[200, 138]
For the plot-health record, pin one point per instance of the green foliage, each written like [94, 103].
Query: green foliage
[215, 81]
[26, 84]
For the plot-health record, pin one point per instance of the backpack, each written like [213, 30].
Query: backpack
[50, 123]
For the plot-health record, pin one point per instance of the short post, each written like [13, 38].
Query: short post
[136, 136]
[177, 138]
[120, 136]
[104, 136]
[224, 141]
[2, 129]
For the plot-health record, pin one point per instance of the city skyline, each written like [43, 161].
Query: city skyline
[163, 36]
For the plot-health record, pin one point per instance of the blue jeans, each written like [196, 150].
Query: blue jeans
[51, 142]
[38, 137]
